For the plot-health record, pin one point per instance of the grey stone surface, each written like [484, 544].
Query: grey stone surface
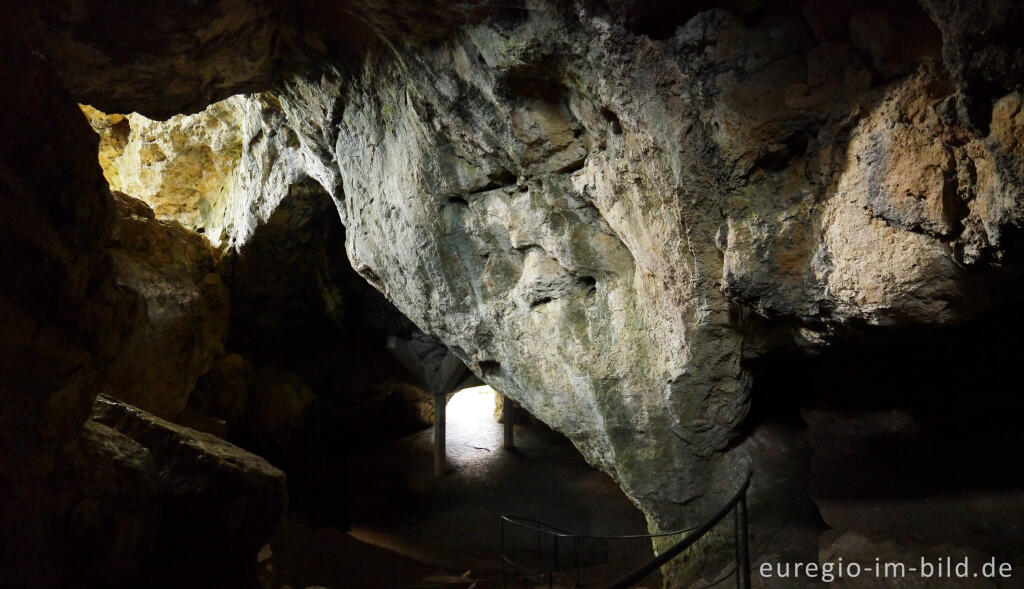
[219, 501]
[603, 225]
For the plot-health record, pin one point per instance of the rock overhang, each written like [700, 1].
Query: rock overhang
[588, 213]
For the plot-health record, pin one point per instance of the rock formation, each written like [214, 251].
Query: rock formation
[85, 505]
[185, 168]
[290, 285]
[183, 315]
[159, 60]
[604, 225]
[606, 210]
[217, 503]
[63, 320]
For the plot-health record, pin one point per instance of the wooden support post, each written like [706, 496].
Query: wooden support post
[441, 375]
[508, 410]
[440, 452]
[743, 574]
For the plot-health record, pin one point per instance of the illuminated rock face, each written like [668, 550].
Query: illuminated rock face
[184, 168]
[220, 172]
[605, 226]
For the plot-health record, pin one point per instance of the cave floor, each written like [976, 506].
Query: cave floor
[452, 523]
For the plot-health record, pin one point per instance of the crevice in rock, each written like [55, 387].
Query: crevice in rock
[541, 301]
[612, 120]
[574, 166]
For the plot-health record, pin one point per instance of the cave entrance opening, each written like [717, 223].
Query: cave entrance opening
[452, 522]
[476, 410]
[476, 417]
[472, 404]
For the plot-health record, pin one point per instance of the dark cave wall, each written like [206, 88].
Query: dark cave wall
[323, 383]
[911, 438]
[61, 316]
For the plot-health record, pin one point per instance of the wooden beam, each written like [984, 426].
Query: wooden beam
[437, 369]
[508, 410]
[432, 365]
[440, 452]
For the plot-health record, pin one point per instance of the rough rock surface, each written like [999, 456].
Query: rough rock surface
[61, 317]
[276, 411]
[223, 391]
[113, 523]
[233, 172]
[184, 168]
[218, 503]
[221, 172]
[159, 59]
[605, 212]
[604, 224]
[183, 313]
[605, 209]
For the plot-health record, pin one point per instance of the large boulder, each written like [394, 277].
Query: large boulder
[113, 525]
[218, 504]
[182, 323]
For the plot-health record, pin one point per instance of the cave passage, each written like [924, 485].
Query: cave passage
[451, 522]
[470, 411]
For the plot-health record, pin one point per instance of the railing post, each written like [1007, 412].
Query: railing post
[554, 563]
[741, 509]
[576, 558]
[508, 412]
[504, 580]
[440, 452]
[736, 544]
[540, 564]
[738, 502]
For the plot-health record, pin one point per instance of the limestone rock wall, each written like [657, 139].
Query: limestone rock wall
[235, 175]
[604, 225]
[184, 168]
[160, 59]
[221, 172]
[78, 507]
[183, 313]
[61, 317]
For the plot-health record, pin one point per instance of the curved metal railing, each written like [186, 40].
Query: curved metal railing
[557, 550]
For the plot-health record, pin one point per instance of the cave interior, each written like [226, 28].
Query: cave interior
[311, 294]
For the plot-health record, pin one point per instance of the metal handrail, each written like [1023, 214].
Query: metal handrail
[737, 503]
[519, 521]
